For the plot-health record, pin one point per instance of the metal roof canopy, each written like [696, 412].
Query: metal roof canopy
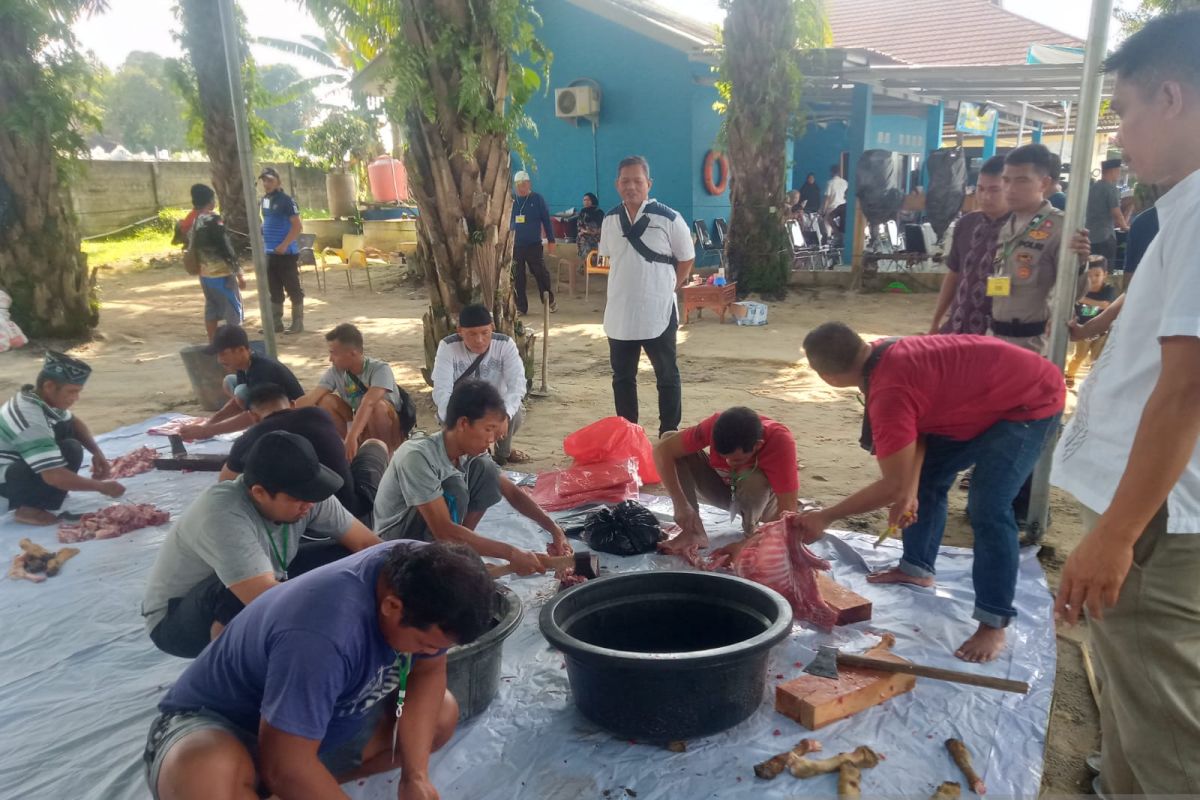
[898, 87]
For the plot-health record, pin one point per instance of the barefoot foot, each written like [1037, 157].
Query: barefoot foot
[34, 516]
[983, 646]
[894, 575]
[683, 543]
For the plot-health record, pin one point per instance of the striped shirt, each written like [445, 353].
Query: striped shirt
[27, 433]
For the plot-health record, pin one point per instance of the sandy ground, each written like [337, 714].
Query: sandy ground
[149, 315]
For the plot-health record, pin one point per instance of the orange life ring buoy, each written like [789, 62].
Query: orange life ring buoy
[719, 160]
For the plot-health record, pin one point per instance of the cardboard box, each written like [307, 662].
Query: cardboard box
[749, 313]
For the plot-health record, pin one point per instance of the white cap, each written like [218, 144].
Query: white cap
[521, 177]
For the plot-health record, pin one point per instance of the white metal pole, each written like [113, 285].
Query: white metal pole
[1062, 143]
[237, 99]
[1065, 286]
[1021, 128]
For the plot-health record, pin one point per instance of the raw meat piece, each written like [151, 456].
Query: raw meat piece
[134, 463]
[566, 577]
[776, 557]
[111, 522]
[172, 427]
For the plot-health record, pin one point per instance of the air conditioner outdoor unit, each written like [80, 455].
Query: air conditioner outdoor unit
[576, 101]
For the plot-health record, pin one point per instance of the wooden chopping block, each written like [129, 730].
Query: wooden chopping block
[849, 605]
[815, 702]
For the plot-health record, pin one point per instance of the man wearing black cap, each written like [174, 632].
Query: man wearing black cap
[281, 226]
[246, 369]
[239, 538]
[477, 351]
[1104, 215]
[42, 444]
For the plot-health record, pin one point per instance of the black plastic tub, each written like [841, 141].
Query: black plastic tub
[473, 670]
[663, 656]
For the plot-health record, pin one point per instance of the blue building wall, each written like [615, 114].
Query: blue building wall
[651, 105]
[822, 146]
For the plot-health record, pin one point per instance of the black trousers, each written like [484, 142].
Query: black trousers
[530, 255]
[187, 627]
[283, 274]
[624, 354]
[24, 487]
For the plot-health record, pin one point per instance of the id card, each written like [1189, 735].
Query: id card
[999, 287]
[520, 218]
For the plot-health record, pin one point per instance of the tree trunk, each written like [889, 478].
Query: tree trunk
[460, 179]
[41, 265]
[760, 39]
[201, 25]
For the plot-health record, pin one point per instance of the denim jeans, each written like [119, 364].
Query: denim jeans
[1003, 456]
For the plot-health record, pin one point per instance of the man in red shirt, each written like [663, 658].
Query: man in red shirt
[936, 405]
[749, 469]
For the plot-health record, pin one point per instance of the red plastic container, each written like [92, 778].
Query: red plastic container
[388, 180]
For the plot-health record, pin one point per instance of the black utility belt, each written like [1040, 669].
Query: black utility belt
[1018, 330]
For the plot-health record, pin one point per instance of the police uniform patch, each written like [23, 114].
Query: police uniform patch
[1024, 272]
[1025, 259]
[1039, 235]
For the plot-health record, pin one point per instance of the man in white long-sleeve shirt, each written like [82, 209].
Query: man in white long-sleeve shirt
[477, 351]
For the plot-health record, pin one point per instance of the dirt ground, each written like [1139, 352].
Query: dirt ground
[148, 315]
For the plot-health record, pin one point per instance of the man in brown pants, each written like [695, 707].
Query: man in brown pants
[1129, 454]
[749, 470]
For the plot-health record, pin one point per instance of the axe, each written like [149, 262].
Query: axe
[828, 659]
[586, 564]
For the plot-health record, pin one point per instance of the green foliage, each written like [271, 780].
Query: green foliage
[341, 133]
[289, 105]
[1132, 19]
[58, 103]
[368, 25]
[136, 244]
[141, 108]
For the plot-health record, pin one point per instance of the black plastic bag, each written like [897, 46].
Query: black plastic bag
[877, 186]
[628, 529]
[947, 188]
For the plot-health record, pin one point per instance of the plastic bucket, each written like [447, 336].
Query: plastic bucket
[664, 656]
[473, 670]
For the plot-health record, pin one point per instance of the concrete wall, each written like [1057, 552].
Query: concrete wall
[651, 105]
[110, 194]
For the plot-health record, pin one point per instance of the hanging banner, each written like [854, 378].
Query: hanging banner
[977, 119]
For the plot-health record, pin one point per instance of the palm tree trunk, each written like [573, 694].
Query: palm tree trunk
[41, 265]
[760, 38]
[201, 25]
[460, 178]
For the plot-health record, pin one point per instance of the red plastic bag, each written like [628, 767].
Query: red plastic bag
[613, 482]
[613, 439]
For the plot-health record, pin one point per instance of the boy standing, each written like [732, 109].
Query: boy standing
[1098, 297]
[220, 272]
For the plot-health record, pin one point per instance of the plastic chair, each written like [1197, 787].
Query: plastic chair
[348, 266]
[308, 256]
[706, 243]
[591, 266]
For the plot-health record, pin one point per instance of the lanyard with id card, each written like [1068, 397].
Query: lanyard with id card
[1001, 285]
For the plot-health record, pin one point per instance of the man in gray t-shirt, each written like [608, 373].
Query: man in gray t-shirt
[360, 393]
[438, 488]
[1104, 215]
[241, 537]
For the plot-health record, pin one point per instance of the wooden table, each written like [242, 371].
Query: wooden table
[698, 298]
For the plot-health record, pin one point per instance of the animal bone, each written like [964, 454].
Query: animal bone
[777, 764]
[849, 781]
[862, 757]
[950, 790]
[962, 757]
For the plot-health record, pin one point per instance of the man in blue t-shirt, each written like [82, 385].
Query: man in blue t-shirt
[530, 218]
[300, 690]
[281, 227]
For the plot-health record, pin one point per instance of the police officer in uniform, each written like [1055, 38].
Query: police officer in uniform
[1027, 253]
